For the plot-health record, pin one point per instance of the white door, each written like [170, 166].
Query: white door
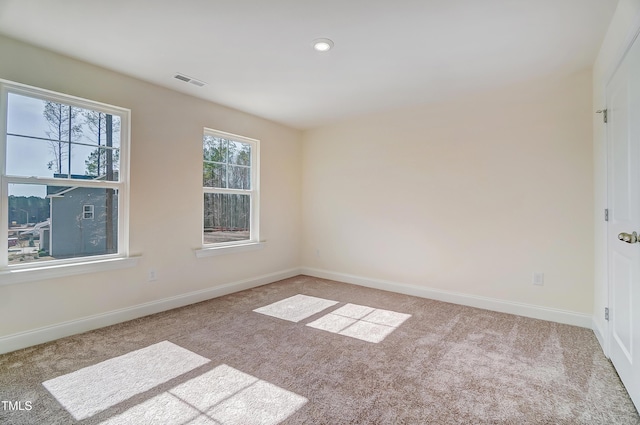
[623, 138]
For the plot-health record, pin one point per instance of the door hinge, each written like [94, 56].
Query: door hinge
[606, 214]
[606, 313]
[604, 114]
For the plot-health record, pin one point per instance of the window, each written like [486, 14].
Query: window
[87, 212]
[63, 179]
[230, 189]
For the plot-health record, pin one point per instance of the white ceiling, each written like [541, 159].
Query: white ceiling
[256, 55]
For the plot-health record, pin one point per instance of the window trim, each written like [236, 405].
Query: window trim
[51, 270]
[210, 249]
[214, 250]
[63, 267]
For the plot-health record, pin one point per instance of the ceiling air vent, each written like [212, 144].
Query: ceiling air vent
[182, 77]
[187, 79]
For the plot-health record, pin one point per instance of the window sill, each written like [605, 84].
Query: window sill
[229, 249]
[31, 274]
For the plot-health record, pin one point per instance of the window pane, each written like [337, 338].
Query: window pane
[239, 177]
[31, 157]
[98, 163]
[227, 217]
[239, 153]
[214, 149]
[25, 116]
[48, 222]
[47, 139]
[215, 175]
[28, 116]
[95, 126]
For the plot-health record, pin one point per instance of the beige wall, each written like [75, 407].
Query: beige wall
[623, 26]
[166, 195]
[471, 196]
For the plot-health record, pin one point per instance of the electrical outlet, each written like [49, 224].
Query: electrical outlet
[152, 277]
[538, 278]
[317, 252]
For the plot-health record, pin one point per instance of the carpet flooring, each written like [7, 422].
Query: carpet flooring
[314, 351]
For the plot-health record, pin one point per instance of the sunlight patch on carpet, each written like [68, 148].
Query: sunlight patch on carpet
[361, 322]
[222, 396]
[296, 308]
[94, 389]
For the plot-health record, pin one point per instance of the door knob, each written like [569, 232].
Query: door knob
[628, 238]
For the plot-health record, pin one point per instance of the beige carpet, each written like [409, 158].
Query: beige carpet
[312, 351]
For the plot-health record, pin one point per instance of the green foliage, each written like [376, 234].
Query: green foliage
[226, 212]
[35, 207]
[214, 149]
[226, 165]
[67, 124]
[101, 161]
[96, 162]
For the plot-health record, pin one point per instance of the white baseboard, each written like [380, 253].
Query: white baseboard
[49, 333]
[520, 309]
[599, 332]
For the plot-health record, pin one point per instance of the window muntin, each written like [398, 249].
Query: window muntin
[64, 185]
[64, 139]
[230, 189]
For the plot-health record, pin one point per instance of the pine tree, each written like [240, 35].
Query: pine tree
[63, 129]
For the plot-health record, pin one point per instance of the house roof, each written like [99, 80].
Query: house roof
[39, 226]
[61, 190]
[256, 55]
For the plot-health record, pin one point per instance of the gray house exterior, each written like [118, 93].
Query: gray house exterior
[84, 221]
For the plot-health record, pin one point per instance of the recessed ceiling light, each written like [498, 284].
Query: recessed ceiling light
[322, 44]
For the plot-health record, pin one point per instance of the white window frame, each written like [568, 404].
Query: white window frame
[88, 209]
[209, 249]
[37, 270]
